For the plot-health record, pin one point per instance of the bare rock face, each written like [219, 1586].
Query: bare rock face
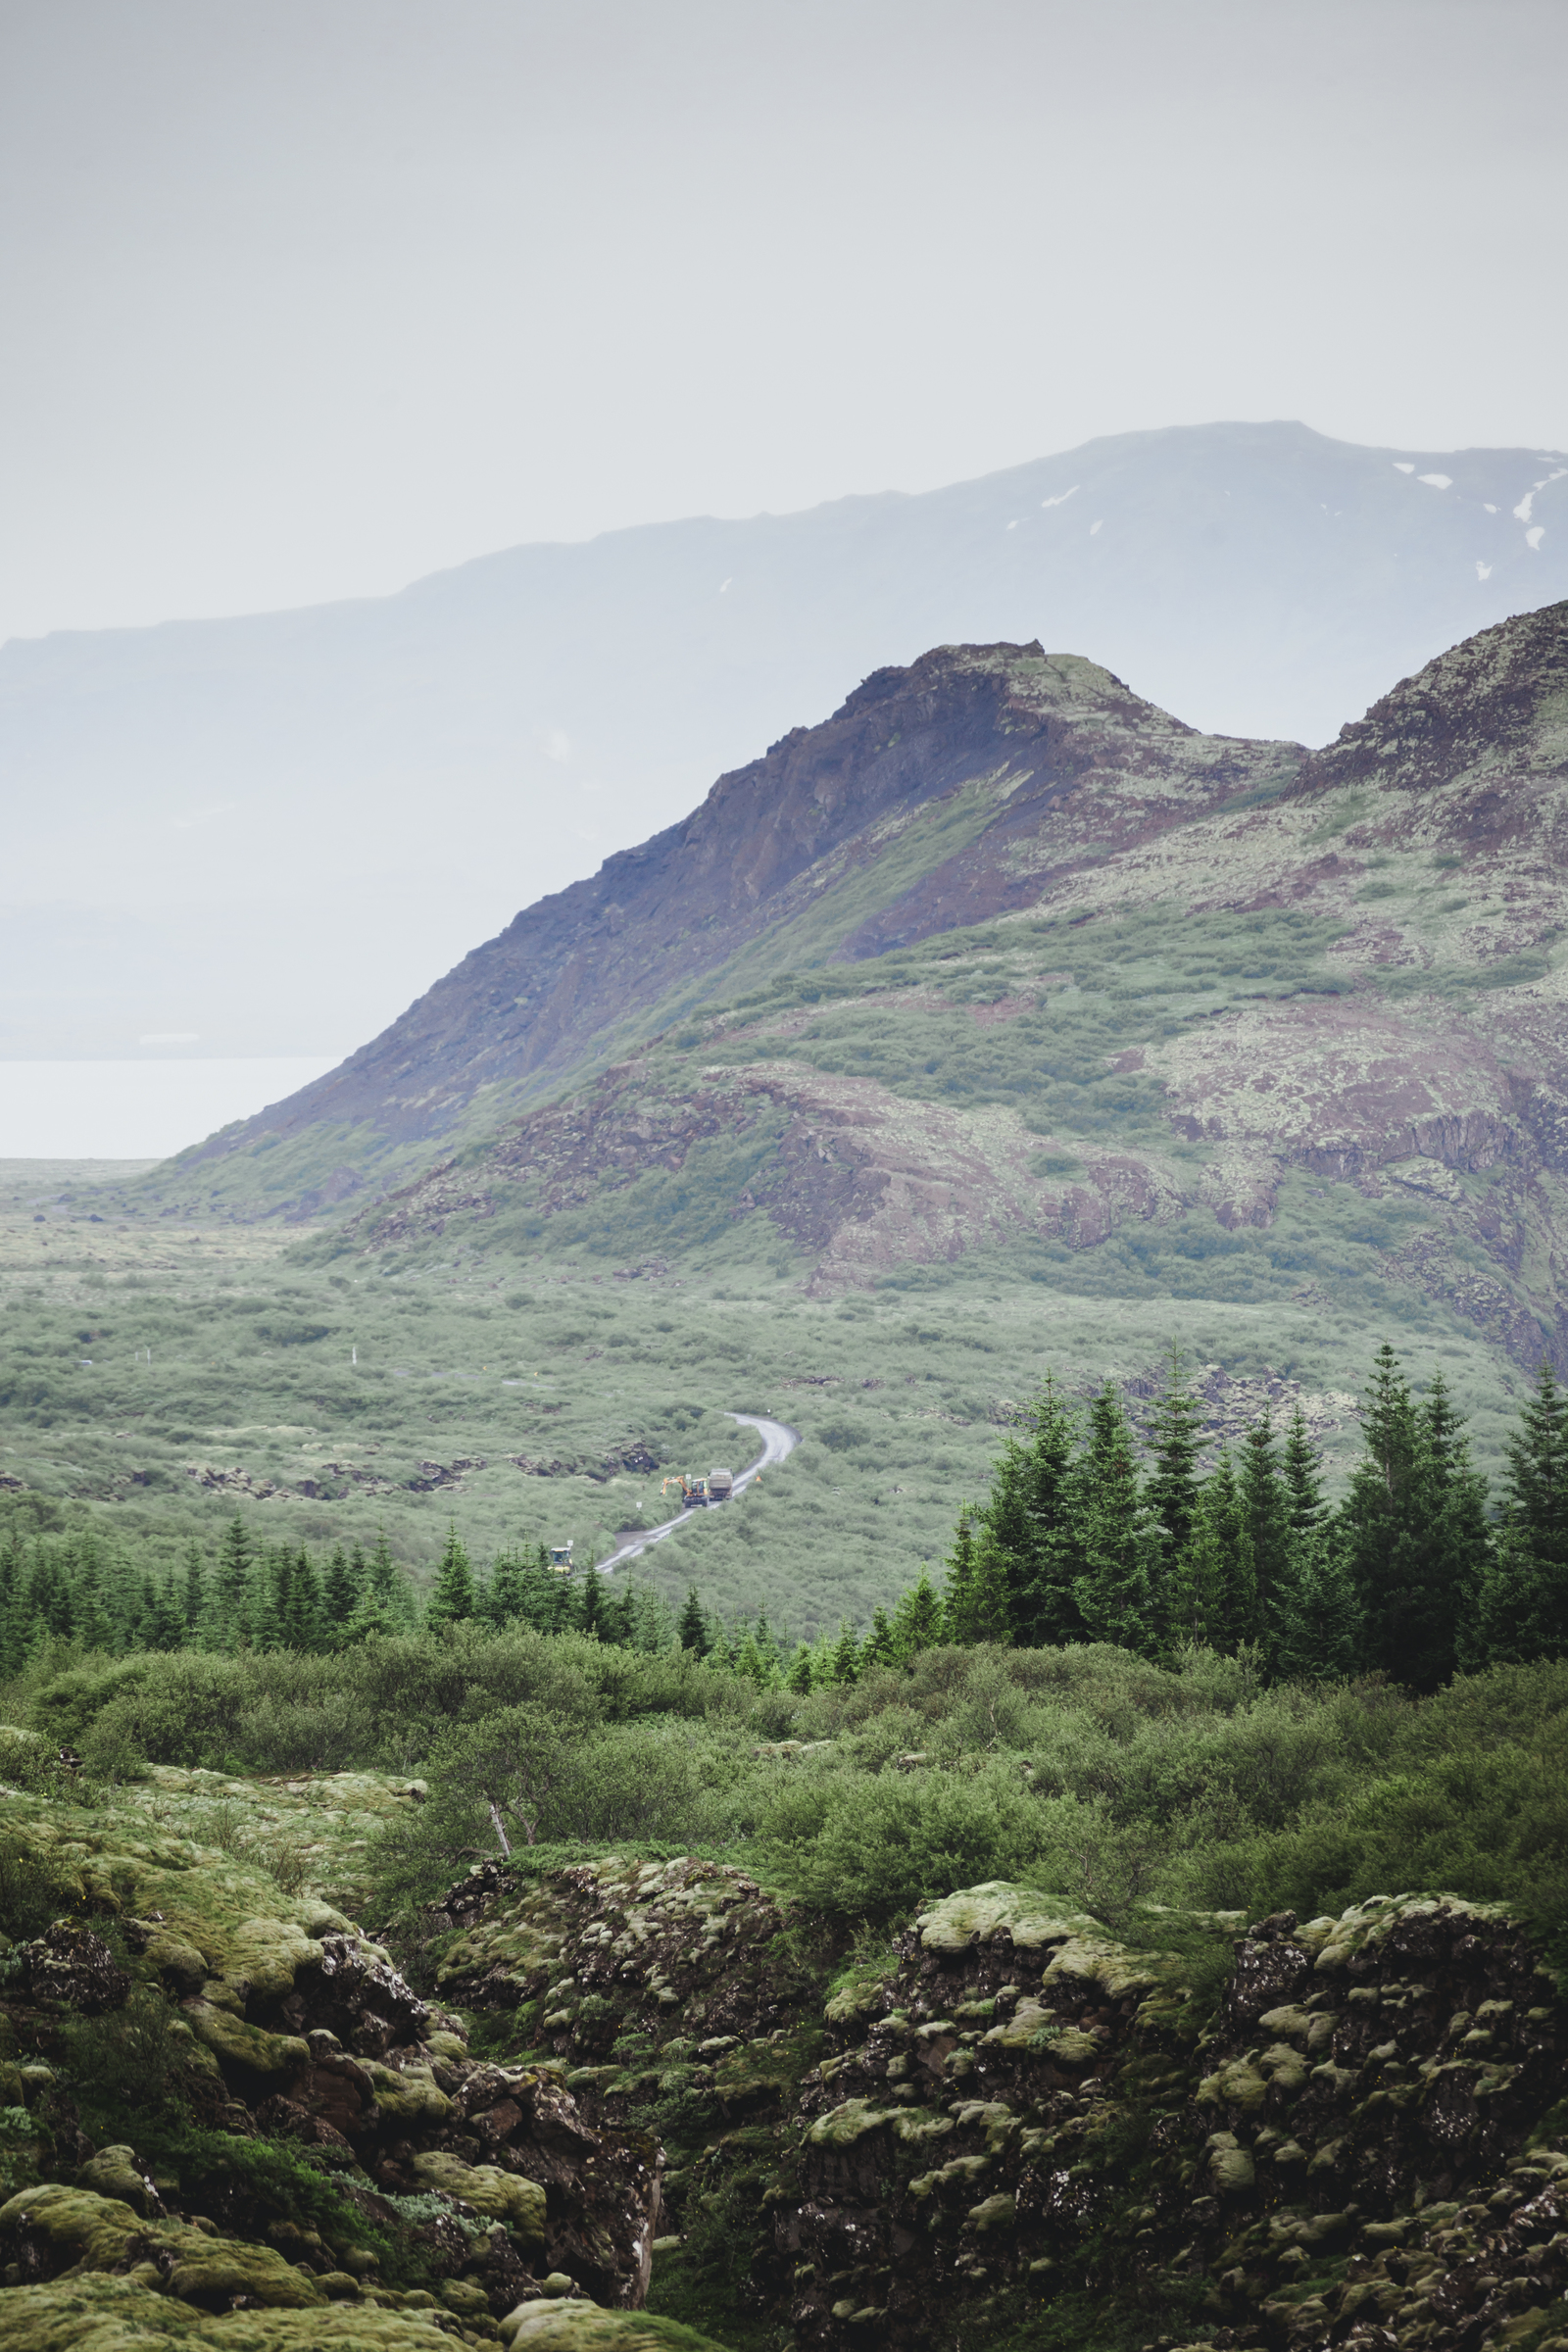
[68, 1964]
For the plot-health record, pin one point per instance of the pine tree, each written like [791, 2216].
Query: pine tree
[878, 1647]
[237, 1561]
[383, 1577]
[618, 1623]
[974, 1606]
[693, 1629]
[1177, 1429]
[1412, 1529]
[165, 1626]
[302, 1624]
[1319, 1633]
[845, 1668]
[341, 1588]
[591, 1607]
[1296, 1591]
[1117, 1537]
[194, 1598]
[1265, 1509]
[452, 1595]
[767, 1647]
[507, 1596]
[1205, 1572]
[753, 1664]
[917, 1618]
[1521, 1609]
[1301, 1469]
[802, 1676]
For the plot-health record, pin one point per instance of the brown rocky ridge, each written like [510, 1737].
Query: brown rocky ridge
[1342, 986]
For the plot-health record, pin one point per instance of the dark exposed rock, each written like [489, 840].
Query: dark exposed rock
[69, 1964]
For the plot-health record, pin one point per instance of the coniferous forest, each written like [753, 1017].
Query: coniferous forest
[1096, 1529]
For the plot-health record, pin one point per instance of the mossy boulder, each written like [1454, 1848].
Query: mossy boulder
[59, 2228]
[229, 2038]
[505, 2196]
[574, 2326]
[95, 2313]
[115, 2172]
[978, 1914]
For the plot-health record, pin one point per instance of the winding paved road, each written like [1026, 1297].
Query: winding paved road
[778, 1443]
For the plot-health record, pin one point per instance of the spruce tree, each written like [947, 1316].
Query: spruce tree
[1372, 1526]
[341, 1589]
[1176, 1429]
[452, 1595]
[846, 1663]
[974, 1605]
[303, 1628]
[693, 1629]
[194, 1596]
[1198, 1592]
[1412, 1529]
[237, 1561]
[1265, 1509]
[917, 1618]
[1318, 1635]
[801, 1675]
[165, 1626]
[1117, 1537]
[507, 1595]
[591, 1607]
[383, 1576]
[1045, 1612]
[877, 1649]
[1521, 1609]
[750, 1664]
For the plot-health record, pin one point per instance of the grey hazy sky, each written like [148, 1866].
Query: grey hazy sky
[302, 298]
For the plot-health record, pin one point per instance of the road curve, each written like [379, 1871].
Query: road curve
[778, 1443]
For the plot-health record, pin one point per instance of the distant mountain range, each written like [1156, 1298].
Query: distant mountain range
[1001, 955]
[266, 835]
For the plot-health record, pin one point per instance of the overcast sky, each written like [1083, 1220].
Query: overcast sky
[303, 298]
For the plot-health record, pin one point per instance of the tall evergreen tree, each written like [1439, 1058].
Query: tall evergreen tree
[591, 1607]
[693, 1629]
[974, 1604]
[878, 1647]
[917, 1618]
[237, 1561]
[193, 1598]
[1521, 1608]
[801, 1675]
[846, 1661]
[1176, 1429]
[507, 1595]
[1412, 1529]
[1116, 1536]
[1265, 1509]
[452, 1595]
[340, 1591]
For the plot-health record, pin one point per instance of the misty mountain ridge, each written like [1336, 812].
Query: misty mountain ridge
[266, 833]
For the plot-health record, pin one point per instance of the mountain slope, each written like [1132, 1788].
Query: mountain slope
[376, 784]
[1252, 1045]
[931, 797]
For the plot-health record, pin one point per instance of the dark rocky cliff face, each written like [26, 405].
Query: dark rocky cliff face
[1066, 757]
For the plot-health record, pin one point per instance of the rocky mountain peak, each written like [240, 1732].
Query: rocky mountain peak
[1496, 696]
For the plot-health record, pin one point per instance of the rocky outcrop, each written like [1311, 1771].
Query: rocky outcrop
[1010, 2105]
[423, 2178]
